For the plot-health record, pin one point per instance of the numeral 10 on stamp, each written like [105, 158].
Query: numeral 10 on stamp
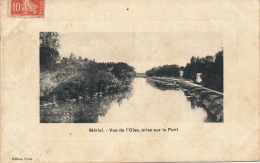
[27, 8]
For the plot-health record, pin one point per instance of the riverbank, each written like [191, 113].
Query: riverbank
[81, 110]
[74, 79]
[210, 100]
[69, 92]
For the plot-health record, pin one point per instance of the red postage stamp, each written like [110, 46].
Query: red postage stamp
[27, 8]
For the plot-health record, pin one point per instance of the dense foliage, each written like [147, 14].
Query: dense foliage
[211, 68]
[71, 78]
[166, 70]
[49, 55]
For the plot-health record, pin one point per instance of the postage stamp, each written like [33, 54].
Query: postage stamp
[27, 8]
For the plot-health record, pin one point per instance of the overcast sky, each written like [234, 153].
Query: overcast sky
[141, 50]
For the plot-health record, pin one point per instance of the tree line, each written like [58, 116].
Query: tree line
[166, 70]
[210, 67]
[74, 77]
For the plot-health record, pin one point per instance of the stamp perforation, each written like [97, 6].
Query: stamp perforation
[24, 16]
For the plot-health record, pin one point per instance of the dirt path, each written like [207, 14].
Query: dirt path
[185, 81]
[220, 93]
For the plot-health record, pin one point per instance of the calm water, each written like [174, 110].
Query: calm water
[146, 101]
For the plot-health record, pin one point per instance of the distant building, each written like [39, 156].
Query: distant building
[198, 78]
[181, 73]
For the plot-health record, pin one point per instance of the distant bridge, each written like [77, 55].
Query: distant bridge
[140, 75]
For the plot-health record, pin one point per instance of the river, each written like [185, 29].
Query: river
[144, 102]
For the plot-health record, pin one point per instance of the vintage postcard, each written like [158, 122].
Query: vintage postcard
[129, 81]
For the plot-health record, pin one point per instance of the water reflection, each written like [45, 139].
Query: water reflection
[82, 111]
[194, 103]
[162, 85]
[195, 100]
[146, 101]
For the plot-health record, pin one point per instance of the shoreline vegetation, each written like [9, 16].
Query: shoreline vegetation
[70, 79]
[207, 71]
[84, 79]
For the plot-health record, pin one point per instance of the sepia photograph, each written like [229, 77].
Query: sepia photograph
[106, 78]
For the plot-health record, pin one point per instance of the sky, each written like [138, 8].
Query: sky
[141, 50]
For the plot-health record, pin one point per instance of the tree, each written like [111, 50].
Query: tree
[72, 58]
[212, 77]
[166, 70]
[49, 55]
[187, 71]
[211, 68]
